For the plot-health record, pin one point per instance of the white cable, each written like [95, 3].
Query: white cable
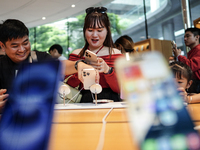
[102, 135]
[74, 96]
[92, 96]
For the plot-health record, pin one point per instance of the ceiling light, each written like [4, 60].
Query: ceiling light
[43, 18]
[73, 5]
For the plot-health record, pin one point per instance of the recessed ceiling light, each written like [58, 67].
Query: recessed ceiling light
[73, 5]
[43, 18]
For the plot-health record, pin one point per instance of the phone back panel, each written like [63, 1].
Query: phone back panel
[27, 116]
[88, 77]
[90, 56]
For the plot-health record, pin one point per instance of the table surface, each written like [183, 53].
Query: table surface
[76, 129]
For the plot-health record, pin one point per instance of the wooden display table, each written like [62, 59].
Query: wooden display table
[77, 129]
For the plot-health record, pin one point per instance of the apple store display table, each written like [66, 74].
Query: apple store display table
[105, 126]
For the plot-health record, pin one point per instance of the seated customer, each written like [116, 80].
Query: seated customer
[98, 40]
[183, 77]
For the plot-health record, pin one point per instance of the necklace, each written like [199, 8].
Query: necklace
[98, 50]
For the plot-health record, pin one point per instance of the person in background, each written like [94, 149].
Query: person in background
[183, 77]
[192, 40]
[56, 51]
[18, 50]
[98, 39]
[125, 44]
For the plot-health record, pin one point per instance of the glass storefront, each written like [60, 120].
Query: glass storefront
[163, 20]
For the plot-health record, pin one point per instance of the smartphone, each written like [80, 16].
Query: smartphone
[88, 77]
[27, 116]
[173, 44]
[158, 117]
[90, 56]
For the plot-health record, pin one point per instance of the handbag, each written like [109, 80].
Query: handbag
[74, 96]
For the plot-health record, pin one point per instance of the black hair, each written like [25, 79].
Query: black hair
[195, 31]
[96, 19]
[12, 29]
[58, 47]
[180, 70]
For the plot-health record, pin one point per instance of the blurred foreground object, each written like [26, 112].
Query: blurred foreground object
[158, 117]
[26, 120]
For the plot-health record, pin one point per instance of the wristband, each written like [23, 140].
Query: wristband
[109, 71]
[190, 99]
[76, 64]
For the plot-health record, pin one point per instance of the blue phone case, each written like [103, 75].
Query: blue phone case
[26, 120]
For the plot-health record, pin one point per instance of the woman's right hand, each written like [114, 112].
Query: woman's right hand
[3, 99]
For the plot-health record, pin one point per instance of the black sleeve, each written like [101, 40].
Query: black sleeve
[43, 56]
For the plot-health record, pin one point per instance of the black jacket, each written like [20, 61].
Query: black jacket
[8, 68]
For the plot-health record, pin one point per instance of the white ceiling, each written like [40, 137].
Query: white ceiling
[32, 11]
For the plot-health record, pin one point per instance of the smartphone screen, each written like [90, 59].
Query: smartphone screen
[26, 120]
[158, 117]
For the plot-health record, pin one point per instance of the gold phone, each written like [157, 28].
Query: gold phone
[88, 77]
[90, 56]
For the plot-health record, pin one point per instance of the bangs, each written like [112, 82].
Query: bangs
[179, 72]
[94, 22]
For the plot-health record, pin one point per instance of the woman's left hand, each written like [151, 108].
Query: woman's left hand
[101, 65]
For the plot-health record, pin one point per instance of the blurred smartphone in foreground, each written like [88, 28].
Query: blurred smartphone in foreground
[27, 117]
[158, 117]
[88, 77]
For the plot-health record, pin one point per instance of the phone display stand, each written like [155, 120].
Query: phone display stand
[64, 90]
[96, 89]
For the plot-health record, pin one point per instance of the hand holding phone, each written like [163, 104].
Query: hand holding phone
[90, 56]
[173, 44]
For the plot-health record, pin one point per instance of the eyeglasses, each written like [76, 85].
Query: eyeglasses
[96, 9]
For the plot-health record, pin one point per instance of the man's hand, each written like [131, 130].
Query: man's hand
[176, 51]
[183, 94]
[3, 99]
